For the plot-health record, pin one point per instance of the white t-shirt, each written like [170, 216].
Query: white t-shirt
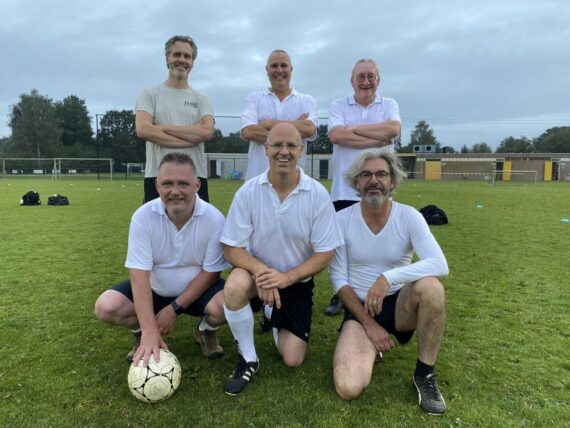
[265, 105]
[365, 256]
[346, 112]
[282, 235]
[175, 257]
[172, 106]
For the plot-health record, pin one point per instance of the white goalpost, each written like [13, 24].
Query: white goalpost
[508, 176]
[82, 167]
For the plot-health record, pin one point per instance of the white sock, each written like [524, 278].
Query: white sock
[205, 326]
[268, 310]
[241, 324]
[275, 336]
[136, 331]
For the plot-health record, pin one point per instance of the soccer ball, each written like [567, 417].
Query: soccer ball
[158, 381]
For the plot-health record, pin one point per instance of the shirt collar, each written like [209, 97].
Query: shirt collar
[159, 208]
[293, 93]
[377, 100]
[304, 180]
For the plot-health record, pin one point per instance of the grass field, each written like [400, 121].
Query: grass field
[504, 360]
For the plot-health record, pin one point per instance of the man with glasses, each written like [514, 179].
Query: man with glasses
[280, 232]
[383, 291]
[175, 116]
[278, 104]
[356, 122]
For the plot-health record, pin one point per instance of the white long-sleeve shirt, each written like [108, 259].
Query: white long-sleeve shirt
[365, 255]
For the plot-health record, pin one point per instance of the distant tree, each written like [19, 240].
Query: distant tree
[515, 145]
[448, 149]
[215, 143]
[323, 143]
[74, 121]
[6, 147]
[117, 137]
[464, 149]
[233, 143]
[421, 135]
[554, 140]
[35, 126]
[481, 148]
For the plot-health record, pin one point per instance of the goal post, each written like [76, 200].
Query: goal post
[511, 176]
[82, 168]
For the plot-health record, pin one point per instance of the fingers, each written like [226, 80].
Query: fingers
[277, 298]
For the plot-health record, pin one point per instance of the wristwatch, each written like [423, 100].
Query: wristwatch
[177, 308]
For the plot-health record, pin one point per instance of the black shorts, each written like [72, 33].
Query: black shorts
[386, 318]
[196, 309]
[296, 309]
[151, 193]
[342, 204]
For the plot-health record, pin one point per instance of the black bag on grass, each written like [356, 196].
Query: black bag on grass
[434, 215]
[58, 200]
[31, 198]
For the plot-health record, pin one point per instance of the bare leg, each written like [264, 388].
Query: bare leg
[353, 361]
[114, 308]
[291, 348]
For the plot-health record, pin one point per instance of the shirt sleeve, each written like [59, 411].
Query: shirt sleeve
[239, 224]
[336, 115]
[311, 108]
[325, 234]
[139, 252]
[393, 111]
[250, 112]
[431, 261]
[146, 102]
[206, 107]
[214, 260]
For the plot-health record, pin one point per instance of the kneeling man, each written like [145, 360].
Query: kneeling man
[384, 293]
[280, 232]
[175, 260]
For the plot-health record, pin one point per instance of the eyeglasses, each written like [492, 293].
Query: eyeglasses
[380, 175]
[362, 77]
[279, 146]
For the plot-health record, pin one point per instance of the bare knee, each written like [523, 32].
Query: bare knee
[430, 291]
[111, 307]
[237, 289]
[348, 387]
[294, 360]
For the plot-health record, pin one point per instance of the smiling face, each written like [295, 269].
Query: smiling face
[177, 185]
[279, 70]
[180, 60]
[373, 190]
[365, 81]
[283, 148]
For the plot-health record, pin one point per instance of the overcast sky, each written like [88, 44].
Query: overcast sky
[474, 70]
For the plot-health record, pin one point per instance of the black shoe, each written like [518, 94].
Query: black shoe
[137, 342]
[264, 323]
[334, 307]
[241, 376]
[431, 400]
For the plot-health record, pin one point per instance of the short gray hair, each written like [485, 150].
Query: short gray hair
[398, 174]
[178, 158]
[183, 39]
[365, 60]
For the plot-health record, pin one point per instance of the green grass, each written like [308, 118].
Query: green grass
[504, 360]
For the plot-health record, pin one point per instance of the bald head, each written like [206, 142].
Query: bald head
[284, 130]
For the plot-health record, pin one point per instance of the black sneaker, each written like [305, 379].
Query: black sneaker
[241, 376]
[264, 322]
[137, 342]
[430, 399]
[334, 307]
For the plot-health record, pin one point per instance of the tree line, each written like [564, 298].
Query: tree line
[44, 128]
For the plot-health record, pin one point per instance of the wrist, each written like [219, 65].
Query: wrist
[176, 307]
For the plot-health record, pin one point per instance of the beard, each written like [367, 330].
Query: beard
[375, 200]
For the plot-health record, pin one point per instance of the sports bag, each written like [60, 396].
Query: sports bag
[31, 198]
[434, 215]
[58, 200]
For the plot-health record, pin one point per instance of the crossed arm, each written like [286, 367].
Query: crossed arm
[366, 136]
[154, 327]
[259, 132]
[267, 280]
[173, 136]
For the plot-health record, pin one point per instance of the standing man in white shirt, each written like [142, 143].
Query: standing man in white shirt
[277, 104]
[175, 116]
[383, 291]
[356, 122]
[280, 232]
[174, 259]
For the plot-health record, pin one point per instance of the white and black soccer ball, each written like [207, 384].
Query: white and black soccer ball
[158, 381]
